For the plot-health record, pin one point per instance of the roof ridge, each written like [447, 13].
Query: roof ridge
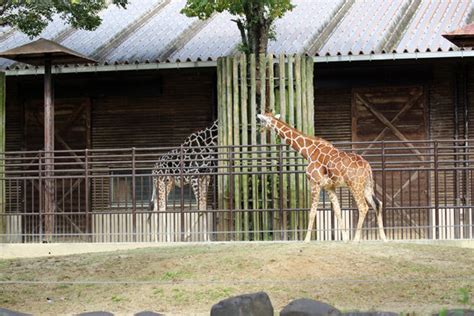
[7, 34]
[68, 31]
[399, 26]
[319, 39]
[131, 28]
[181, 40]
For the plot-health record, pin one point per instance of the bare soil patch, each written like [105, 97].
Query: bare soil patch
[187, 280]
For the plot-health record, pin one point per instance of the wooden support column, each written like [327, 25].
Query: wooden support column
[49, 151]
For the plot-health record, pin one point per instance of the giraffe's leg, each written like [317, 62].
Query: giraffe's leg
[203, 189]
[337, 210]
[358, 194]
[315, 190]
[165, 185]
[198, 221]
[170, 219]
[380, 223]
[160, 207]
[378, 207]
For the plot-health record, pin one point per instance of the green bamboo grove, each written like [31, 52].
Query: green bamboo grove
[265, 187]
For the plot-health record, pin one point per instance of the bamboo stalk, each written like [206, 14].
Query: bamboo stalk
[310, 94]
[292, 155]
[308, 82]
[253, 120]
[282, 99]
[299, 126]
[273, 155]
[221, 136]
[245, 141]
[236, 142]
[263, 141]
[228, 130]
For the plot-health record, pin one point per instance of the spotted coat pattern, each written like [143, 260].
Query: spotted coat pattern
[191, 163]
[329, 168]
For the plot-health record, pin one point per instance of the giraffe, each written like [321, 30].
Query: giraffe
[197, 154]
[329, 168]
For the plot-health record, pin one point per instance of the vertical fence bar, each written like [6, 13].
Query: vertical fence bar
[86, 193]
[41, 203]
[231, 192]
[384, 182]
[181, 176]
[436, 188]
[280, 200]
[134, 198]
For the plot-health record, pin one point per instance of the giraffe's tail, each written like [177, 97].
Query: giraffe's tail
[153, 197]
[376, 204]
[370, 197]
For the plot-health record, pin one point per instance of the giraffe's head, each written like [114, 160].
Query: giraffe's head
[266, 119]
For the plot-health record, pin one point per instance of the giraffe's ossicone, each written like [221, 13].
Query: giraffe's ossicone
[329, 168]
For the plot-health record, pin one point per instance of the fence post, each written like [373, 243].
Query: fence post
[436, 201]
[280, 180]
[40, 183]
[231, 192]
[86, 194]
[181, 174]
[134, 200]
[384, 198]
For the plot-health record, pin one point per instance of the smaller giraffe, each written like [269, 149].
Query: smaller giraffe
[329, 168]
[189, 164]
[198, 159]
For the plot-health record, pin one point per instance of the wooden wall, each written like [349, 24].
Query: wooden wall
[122, 114]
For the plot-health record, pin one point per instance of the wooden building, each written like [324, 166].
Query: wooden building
[397, 80]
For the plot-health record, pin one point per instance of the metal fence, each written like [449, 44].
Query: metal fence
[104, 195]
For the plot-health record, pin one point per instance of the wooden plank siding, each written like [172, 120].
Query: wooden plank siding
[180, 104]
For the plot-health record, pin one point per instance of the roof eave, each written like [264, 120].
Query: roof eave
[213, 63]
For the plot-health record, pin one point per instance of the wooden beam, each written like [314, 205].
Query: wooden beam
[402, 112]
[385, 121]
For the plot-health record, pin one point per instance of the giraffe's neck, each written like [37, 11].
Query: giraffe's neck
[306, 146]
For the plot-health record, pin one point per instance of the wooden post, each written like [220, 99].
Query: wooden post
[253, 120]
[245, 142]
[49, 151]
[236, 141]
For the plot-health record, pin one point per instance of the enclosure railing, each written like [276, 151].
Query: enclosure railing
[104, 195]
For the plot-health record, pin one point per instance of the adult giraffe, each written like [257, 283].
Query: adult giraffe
[329, 168]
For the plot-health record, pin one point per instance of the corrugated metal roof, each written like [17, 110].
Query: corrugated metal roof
[152, 31]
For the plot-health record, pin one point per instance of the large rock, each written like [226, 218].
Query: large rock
[148, 313]
[255, 304]
[98, 313]
[7, 312]
[307, 307]
[371, 314]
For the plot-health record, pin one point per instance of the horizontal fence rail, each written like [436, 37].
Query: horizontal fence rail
[106, 195]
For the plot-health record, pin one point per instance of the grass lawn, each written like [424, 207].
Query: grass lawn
[189, 279]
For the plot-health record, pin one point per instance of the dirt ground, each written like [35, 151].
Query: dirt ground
[189, 279]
